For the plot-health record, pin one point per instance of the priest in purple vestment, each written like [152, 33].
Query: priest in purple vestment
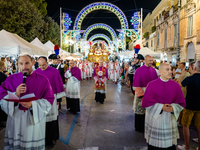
[73, 76]
[52, 127]
[163, 100]
[26, 120]
[143, 75]
[100, 76]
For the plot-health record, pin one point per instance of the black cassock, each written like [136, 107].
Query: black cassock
[3, 115]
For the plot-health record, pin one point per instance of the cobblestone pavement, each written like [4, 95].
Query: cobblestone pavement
[108, 126]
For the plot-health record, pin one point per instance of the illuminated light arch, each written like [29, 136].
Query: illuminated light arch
[94, 42]
[100, 26]
[103, 36]
[97, 6]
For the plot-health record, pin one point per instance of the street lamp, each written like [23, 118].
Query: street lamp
[178, 48]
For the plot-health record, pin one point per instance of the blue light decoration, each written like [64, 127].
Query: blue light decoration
[101, 36]
[135, 20]
[100, 26]
[97, 6]
[121, 35]
[67, 21]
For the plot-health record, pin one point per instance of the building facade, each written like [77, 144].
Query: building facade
[165, 37]
[190, 30]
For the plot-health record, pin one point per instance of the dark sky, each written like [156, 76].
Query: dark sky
[73, 7]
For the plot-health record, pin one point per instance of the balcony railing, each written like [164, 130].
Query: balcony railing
[166, 15]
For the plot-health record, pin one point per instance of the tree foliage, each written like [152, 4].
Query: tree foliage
[41, 5]
[51, 31]
[23, 18]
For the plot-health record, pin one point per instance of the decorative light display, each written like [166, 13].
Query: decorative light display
[121, 35]
[129, 33]
[67, 21]
[103, 36]
[135, 20]
[97, 6]
[76, 34]
[100, 26]
[73, 33]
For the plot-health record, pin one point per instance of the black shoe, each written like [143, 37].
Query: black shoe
[51, 145]
[59, 105]
[101, 102]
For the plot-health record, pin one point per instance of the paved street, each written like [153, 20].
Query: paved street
[101, 127]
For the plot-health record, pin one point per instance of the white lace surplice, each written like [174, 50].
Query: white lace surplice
[73, 86]
[161, 128]
[24, 130]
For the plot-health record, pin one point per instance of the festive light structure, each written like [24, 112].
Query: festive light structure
[67, 21]
[97, 6]
[103, 36]
[135, 20]
[100, 26]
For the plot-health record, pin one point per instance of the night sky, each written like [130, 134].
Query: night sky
[73, 7]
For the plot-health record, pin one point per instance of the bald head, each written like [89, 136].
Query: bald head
[43, 64]
[165, 71]
[163, 65]
[148, 60]
[197, 66]
[71, 63]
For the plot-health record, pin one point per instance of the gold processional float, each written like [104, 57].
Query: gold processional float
[98, 51]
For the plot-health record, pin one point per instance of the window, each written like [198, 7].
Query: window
[154, 22]
[158, 39]
[147, 44]
[175, 34]
[151, 43]
[166, 38]
[190, 25]
[159, 15]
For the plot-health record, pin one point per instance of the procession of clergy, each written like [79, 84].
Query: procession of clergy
[32, 125]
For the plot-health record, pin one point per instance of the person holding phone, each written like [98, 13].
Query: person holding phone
[192, 110]
[184, 70]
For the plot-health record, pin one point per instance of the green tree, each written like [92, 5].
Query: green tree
[21, 17]
[51, 31]
[41, 5]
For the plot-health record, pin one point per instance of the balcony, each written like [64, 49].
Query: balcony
[171, 11]
[160, 20]
[152, 35]
[166, 15]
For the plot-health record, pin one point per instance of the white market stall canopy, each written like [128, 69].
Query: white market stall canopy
[38, 43]
[78, 54]
[146, 51]
[11, 43]
[50, 45]
[143, 51]
[70, 58]
[125, 53]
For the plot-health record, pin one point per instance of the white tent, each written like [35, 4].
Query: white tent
[38, 43]
[143, 51]
[146, 51]
[125, 53]
[78, 54]
[50, 45]
[13, 44]
[70, 58]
